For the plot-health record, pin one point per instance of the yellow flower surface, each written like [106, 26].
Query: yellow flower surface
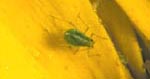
[32, 44]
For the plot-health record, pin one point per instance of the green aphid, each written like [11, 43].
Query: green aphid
[147, 66]
[123, 58]
[76, 38]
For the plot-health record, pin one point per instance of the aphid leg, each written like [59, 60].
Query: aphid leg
[86, 30]
[91, 55]
[90, 48]
[71, 47]
[76, 51]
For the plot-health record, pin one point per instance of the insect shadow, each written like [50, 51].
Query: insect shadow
[56, 41]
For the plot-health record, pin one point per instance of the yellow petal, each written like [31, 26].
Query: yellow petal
[37, 50]
[122, 33]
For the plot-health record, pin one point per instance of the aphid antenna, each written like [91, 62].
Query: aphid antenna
[93, 34]
[78, 15]
[63, 20]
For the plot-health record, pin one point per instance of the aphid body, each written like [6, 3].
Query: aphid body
[77, 38]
